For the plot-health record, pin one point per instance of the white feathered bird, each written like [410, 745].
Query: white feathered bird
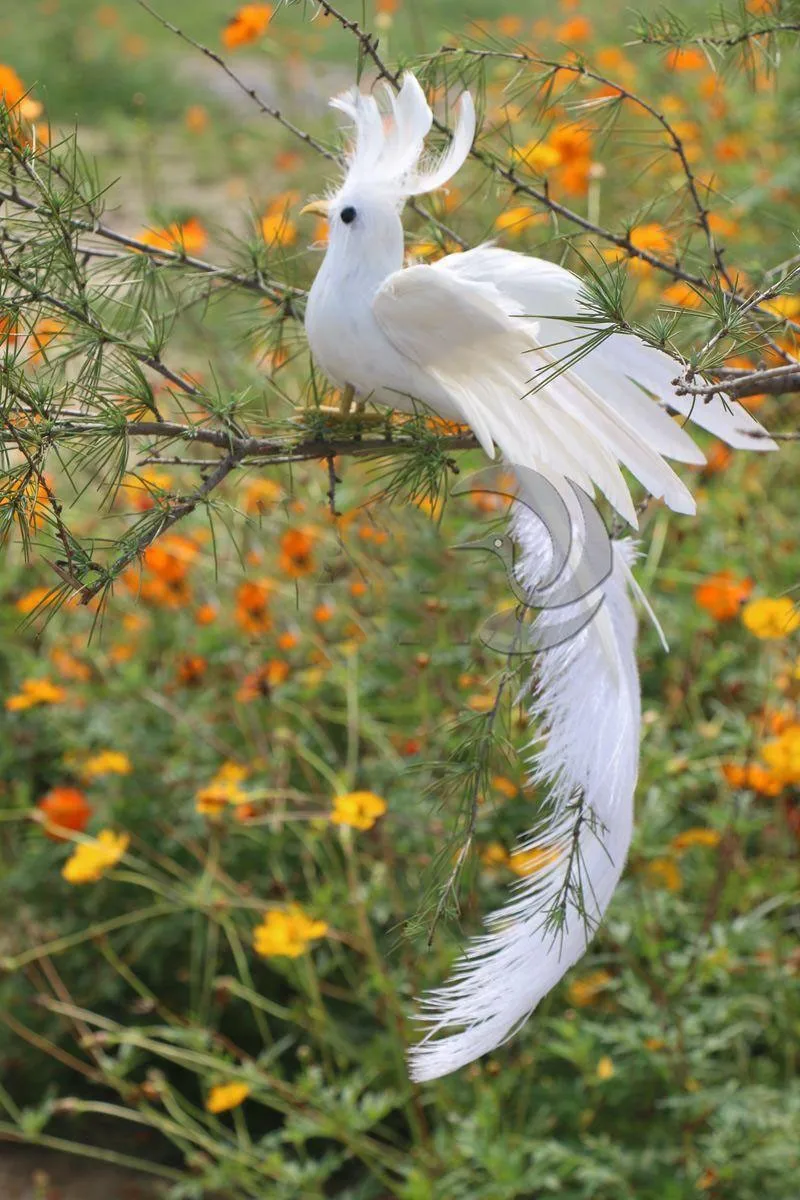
[455, 336]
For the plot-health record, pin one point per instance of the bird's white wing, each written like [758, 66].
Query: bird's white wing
[461, 332]
[619, 367]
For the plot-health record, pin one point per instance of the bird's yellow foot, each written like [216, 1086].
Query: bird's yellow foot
[342, 416]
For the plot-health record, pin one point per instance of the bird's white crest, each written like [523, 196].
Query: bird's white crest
[389, 144]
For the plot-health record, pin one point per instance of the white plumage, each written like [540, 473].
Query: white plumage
[475, 337]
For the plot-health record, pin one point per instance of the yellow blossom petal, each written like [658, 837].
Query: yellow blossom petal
[695, 837]
[287, 933]
[359, 810]
[224, 1096]
[769, 618]
[107, 762]
[90, 860]
[605, 1068]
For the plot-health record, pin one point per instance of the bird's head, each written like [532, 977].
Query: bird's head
[385, 166]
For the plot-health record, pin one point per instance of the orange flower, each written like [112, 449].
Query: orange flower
[146, 485]
[295, 557]
[206, 614]
[323, 613]
[686, 59]
[277, 229]
[170, 557]
[196, 118]
[31, 600]
[718, 458]
[505, 786]
[682, 294]
[187, 237]
[577, 29]
[44, 333]
[252, 605]
[68, 666]
[509, 26]
[723, 595]
[12, 95]
[653, 239]
[64, 808]
[261, 495]
[260, 683]
[612, 59]
[571, 142]
[248, 25]
[731, 149]
[753, 777]
[191, 669]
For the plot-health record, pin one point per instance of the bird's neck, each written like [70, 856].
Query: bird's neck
[362, 274]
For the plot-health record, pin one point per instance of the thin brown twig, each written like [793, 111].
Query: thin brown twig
[723, 43]
[279, 292]
[776, 381]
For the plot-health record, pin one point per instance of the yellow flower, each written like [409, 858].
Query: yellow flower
[516, 220]
[528, 862]
[360, 810]
[664, 873]
[260, 495]
[494, 855]
[33, 692]
[539, 156]
[90, 860]
[695, 837]
[771, 618]
[783, 755]
[287, 933]
[505, 786]
[107, 762]
[583, 992]
[784, 306]
[225, 788]
[224, 1096]
[605, 1068]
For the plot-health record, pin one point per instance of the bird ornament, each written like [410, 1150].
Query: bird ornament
[485, 338]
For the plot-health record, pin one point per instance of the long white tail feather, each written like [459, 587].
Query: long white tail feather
[586, 752]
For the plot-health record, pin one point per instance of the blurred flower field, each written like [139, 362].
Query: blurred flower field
[232, 786]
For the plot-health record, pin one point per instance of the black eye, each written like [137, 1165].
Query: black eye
[348, 214]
